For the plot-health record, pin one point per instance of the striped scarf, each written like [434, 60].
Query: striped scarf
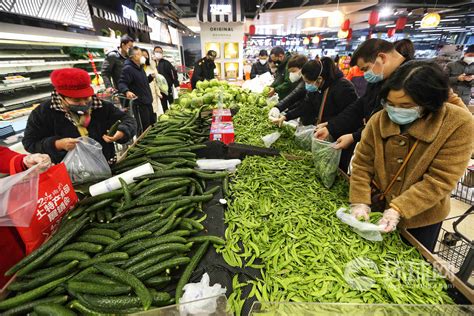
[77, 120]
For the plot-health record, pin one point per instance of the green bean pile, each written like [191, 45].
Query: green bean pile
[282, 221]
[251, 123]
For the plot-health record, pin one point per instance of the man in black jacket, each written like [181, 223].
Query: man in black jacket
[204, 69]
[378, 59]
[74, 111]
[113, 63]
[167, 70]
[135, 84]
[261, 66]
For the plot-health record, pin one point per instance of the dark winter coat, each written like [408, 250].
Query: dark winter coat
[112, 68]
[204, 70]
[167, 70]
[294, 98]
[46, 125]
[134, 79]
[341, 94]
[259, 69]
[462, 88]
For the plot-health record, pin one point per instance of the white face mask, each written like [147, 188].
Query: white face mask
[468, 60]
[142, 60]
[295, 76]
[158, 55]
[262, 61]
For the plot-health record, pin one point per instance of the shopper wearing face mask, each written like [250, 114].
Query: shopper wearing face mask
[378, 59]
[298, 90]
[461, 75]
[135, 84]
[74, 111]
[282, 84]
[113, 63]
[167, 70]
[261, 65]
[413, 152]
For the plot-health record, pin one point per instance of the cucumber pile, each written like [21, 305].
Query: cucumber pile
[131, 249]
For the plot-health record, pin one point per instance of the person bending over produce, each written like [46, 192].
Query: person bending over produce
[416, 119]
[74, 111]
[21, 162]
[328, 93]
[295, 64]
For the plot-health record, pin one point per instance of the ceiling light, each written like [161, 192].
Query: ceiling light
[385, 12]
[390, 25]
[449, 20]
[195, 29]
[430, 20]
[313, 13]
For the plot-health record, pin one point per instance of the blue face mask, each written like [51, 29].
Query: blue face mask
[403, 116]
[310, 87]
[371, 77]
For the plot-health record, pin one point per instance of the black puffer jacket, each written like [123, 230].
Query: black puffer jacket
[341, 94]
[112, 68]
[294, 98]
[259, 69]
[46, 125]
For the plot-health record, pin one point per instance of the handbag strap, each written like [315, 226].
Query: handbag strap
[404, 164]
[323, 104]
[12, 164]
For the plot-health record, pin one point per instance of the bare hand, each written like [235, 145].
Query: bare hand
[344, 141]
[271, 92]
[66, 144]
[110, 139]
[130, 95]
[110, 90]
[322, 133]
[462, 77]
[279, 121]
[319, 126]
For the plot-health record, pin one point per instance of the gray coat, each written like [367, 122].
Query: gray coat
[462, 88]
[112, 68]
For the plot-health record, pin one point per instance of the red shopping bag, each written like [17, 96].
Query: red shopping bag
[56, 197]
[12, 251]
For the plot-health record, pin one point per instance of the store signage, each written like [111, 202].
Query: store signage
[129, 14]
[140, 13]
[218, 9]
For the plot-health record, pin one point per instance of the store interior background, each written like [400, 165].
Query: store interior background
[39, 46]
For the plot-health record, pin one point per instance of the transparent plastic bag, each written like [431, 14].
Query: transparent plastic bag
[86, 162]
[18, 198]
[326, 160]
[366, 230]
[195, 295]
[269, 139]
[304, 136]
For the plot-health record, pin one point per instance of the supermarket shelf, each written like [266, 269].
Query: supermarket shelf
[29, 83]
[26, 99]
[33, 82]
[18, 56]
[67, 62]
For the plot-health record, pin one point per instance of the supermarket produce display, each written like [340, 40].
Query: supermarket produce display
[117, 251]
[277, 239]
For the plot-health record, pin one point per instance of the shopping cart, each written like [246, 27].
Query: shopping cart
[120, 101]
[184, 77]
[455, 247]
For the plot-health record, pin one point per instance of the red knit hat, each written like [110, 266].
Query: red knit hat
[72, 82]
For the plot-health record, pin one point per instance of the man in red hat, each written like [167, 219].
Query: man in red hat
[74, 111]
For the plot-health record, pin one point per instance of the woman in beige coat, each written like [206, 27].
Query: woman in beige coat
[158, 89]
[416, 118]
